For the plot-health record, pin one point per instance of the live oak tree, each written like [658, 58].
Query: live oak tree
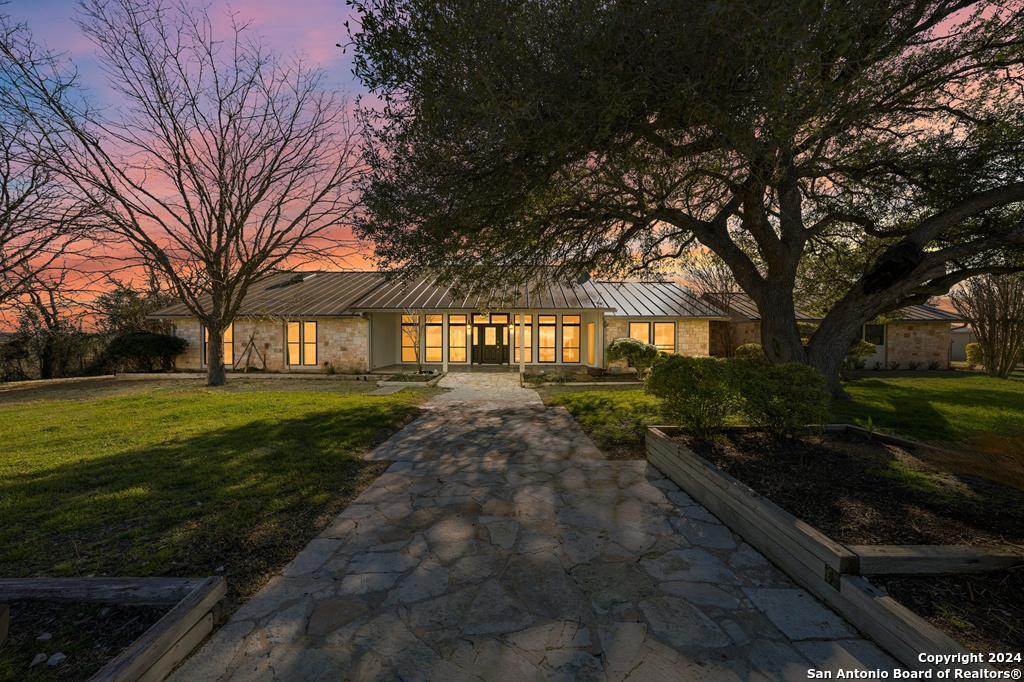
[220, 162]
[516, 139]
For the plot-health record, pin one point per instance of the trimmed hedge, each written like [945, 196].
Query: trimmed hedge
[638, 354]
[695, 392]
[749, 351]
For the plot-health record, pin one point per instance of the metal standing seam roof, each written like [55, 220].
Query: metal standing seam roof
[922, 312]
[328, 294]
[743, 306]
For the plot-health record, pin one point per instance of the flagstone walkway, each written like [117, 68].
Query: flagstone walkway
[500, 544]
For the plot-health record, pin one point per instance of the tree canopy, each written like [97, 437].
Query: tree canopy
[524, 139]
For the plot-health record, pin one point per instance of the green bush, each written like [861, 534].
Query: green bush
[749, 351]
[856, 358]
[974, 355]
[638, 354]
[146, 348]
[782, 399]
[695, 392]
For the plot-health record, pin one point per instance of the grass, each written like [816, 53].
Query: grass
[168, 477]
[965, 411]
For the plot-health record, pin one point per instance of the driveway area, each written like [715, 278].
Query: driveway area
[500, 544]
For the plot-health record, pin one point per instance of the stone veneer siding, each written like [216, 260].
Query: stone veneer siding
[921, 342]
[344, 342]
[693, 336]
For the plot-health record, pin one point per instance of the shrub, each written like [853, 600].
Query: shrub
[695, 392]
[974, 355]
[782, 399]
[934, 365]
[638, 354]
[856, 358]
[146, 348]
[749, 351]
[913, 365]
[894, 365]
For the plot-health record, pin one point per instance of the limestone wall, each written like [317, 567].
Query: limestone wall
[923, 343]
[342, 342]
[693, 336]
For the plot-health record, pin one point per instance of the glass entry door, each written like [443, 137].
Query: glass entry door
[490, 344]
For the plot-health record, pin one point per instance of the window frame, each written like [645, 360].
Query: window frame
[416, 344]
[541, 326]
[647, 335]
[453, 323]
[302, 343]
[654, 335]
[578, 348]
[228, 344]
[864, 333]
[433, 322]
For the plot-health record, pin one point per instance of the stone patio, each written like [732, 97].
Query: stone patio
[500, 544]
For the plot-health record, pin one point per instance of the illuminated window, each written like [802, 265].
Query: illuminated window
[228, 341]
[570, 338]
[875, 333]
[591, 343]
[641, 331]
[665, 336]
[546, 325]
[527, 338]
[479, 318]
[458, 338]
[302, 344]
[499, 318]
[410, 338]
[433, 333]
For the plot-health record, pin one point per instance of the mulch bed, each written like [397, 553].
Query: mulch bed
[983, 612]
[89, 634]
[862, 492]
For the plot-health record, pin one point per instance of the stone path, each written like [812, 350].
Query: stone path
[500, 544]
[484, 387]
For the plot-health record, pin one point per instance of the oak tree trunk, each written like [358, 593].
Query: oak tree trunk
[215, 375]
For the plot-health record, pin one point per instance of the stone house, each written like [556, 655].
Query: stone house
[915, 337]
[363, 321]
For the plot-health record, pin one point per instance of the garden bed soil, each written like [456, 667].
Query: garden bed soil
[983, 612]
[859, 491]
[89, 634]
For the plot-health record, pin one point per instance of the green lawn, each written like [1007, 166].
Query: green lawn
[960, 410]
[173, 478]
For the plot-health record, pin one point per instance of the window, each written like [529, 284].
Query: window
[434, 336]
[641, 331]
[458, 338]
[410, 338]
[875, 333]
[665, 336]
[479, 318]
[570, 338]
[302, 344]
[527, 338]
[546, 325]
[591, 343]
[228, 341]
[499, 318]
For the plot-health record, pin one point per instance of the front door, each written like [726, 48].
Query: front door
[490, 345]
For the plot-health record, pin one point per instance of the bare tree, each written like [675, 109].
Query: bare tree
[223, 164]
[40, 219]
[994, 306]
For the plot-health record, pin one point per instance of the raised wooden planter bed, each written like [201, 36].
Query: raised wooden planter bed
[195, 608]
[828, 569]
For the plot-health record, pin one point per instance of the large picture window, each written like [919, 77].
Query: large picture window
[302, 349]
[665, 336]
[228, 341]
[458, 339]
[546, 326]
[570, 338]
[527, 338]
[433, 332]
[410, 338]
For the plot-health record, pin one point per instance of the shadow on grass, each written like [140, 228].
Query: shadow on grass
[242, 500]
